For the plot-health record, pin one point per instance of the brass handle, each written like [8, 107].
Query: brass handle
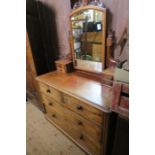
[80, 123]
[53, 115]
[50, 103]
[48, 91]
[82, 137]
[79, 107]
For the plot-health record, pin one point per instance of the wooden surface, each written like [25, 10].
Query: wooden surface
[31, 83]
[80, 122]
[44, 139]
[87, 111]
[75, 104]
[107, 76]
[120, 101]
[90, 91]
[86, 136]
[30, 69]
[64, 65]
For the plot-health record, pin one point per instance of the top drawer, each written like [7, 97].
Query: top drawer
[49, 91]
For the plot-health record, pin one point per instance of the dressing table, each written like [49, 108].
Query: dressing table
[77, 103]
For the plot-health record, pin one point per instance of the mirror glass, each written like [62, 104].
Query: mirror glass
[87, 34]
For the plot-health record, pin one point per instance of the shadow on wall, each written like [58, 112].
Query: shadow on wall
[42, 31]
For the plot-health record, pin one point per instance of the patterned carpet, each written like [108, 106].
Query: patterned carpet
[43, 138]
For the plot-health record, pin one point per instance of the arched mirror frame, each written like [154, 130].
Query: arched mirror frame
[103, 56]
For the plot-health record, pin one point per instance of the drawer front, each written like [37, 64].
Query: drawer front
[49, 91]
[83, 109]
[84, 132]
[85, 141]
[72, 118]
[57, 117]
[74, 104]
[50, 102]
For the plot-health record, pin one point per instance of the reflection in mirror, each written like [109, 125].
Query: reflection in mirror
[87, 35]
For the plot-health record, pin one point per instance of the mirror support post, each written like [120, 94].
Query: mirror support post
[110, 61]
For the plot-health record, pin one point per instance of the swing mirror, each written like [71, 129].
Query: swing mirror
[88, 28]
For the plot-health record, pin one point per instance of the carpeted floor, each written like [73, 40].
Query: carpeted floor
[44, 139]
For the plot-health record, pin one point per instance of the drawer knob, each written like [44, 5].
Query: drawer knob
[48, 91]
[82, 137]
[80, 123]
[53, 115]
[79, 107]
[50, 103]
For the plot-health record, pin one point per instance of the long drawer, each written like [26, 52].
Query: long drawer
[78, 106]
[83, 109]
[81, 123]
[84, 132]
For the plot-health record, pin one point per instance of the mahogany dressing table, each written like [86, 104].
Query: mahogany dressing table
[77, 103]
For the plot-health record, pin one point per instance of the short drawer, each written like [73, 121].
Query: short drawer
[74, 119]
[50, 91]
[57, 117]
[83, 109]
[48, 101]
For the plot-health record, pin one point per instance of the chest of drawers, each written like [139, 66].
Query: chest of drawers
[79, 107]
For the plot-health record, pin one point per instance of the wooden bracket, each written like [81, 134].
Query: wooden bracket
[110, 61]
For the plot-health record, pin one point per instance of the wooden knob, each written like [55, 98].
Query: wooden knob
[81, 136]
[50, 103]
[79, 107]
[53, 115]
[80, 123]
[48, 91]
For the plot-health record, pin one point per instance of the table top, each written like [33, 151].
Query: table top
[90, 91]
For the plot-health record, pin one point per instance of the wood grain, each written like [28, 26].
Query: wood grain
[89, 91]
[31, 83]
[50, 91]
[83, 109]
[120, 101]
[75, 105]
[94, 131]
[30, 68]
[67, 120]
